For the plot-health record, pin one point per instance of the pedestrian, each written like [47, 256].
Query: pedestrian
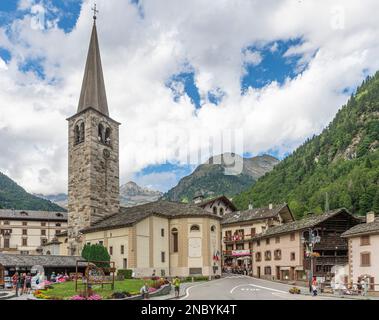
[145, 291]
[314, 287]
[15, 278]
[28, 283]
[176, 284]
[23, 284]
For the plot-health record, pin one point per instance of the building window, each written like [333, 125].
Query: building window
[122, 249]
[277, 240]
[278, 254]
[175, 243]
[252, 232]
[162, 232]
[268, 271]
[125, 263]
[111, 250]
[221, 212]
[43, 241]
[163, 256]
[43, 232]
[258, 243]
[57, 224]
[24, 232]
[57, 232]
[43, 224]
[258, 256]
[24, 242]
[195, 227]
[267, 255]
[293, 256]
[365, 259]
[6, 243]
[101, 243]
[268, 241]
[6, 222]
[213, 228]
[215, 210]
[79, 133]
[365, 240]
[292, 236]
[24, 223]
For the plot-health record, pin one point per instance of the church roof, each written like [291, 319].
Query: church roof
[129, 216]
[14, 260]
[93, 88]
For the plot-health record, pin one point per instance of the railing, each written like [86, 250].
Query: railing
[236, 238]
[230, 252]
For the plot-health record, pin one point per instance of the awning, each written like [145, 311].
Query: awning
[299, 268]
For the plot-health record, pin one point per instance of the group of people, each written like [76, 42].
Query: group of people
[175, 282]
[22, 283]
[59, 277]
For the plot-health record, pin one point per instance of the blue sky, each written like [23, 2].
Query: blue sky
[246, 58]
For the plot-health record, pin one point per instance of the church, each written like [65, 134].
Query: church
[166, 238]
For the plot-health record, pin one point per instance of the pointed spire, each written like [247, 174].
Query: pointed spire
[93, 88]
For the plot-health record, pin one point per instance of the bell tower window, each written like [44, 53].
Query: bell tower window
[101, 133]
[79, 133]
[108, 136]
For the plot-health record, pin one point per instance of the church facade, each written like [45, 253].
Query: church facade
[165, 238]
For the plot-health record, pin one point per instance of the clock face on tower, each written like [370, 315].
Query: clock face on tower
[106, 153]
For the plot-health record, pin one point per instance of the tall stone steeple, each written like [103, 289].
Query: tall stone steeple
[93, 148]
[93, 88]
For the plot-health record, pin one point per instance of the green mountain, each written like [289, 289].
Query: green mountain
[12, 196]
[226, 174]
[338, 168]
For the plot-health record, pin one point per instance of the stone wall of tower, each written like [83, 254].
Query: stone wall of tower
[93, 182]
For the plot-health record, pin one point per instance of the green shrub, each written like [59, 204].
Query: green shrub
[126, 273]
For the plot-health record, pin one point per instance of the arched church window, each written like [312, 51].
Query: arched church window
[101, 133]
[108, 136]
[215, 210]
[175, 242]
[79, 133]
[213, 228]
[221, 211]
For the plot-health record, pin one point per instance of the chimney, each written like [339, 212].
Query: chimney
[370, 217]
[270, 206]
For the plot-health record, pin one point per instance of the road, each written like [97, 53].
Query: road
[245, 288]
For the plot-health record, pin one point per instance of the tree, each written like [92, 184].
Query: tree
[375, 205]
[96, 252]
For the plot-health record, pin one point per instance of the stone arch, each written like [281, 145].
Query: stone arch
[195, 227]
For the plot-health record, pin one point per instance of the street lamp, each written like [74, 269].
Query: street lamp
[310, 237]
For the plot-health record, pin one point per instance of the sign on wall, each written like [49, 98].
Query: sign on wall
[239, 253]
[194, 247]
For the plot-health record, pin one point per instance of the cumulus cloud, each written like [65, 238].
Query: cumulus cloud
[144, 46]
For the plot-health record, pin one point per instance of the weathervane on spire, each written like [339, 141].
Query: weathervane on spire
[95, 11]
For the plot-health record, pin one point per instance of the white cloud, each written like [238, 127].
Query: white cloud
[140, 55]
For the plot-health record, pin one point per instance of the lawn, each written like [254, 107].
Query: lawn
[67, 289]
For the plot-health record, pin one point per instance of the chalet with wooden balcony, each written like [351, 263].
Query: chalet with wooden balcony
[290, 260]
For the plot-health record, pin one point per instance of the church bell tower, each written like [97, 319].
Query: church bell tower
[93, 149]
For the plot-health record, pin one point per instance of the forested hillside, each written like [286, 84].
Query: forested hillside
[12, 196]
[338, 168]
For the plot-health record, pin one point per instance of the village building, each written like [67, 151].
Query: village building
[219, 206]
[363, 255]
[168, 238]
[280, 252]
[25, 232]
[239, 229]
